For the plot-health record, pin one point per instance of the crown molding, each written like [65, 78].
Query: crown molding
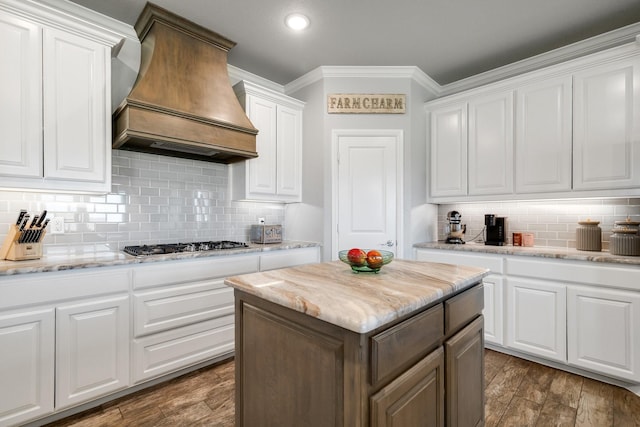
[575, 50]
[237, 74]
[72, 17]
[406, 72]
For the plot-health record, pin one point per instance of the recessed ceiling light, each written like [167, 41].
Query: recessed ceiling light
[297, 21]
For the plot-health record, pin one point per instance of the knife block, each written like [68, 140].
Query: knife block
[14, 251]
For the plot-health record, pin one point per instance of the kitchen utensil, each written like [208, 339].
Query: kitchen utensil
[23, 212]
[42, 216]
[588, 236]
[456, 229]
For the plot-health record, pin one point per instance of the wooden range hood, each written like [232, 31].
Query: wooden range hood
[182, 103]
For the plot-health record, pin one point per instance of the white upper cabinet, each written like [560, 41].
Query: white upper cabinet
[569, 130]
[21, 105]
[55, 116]
[543, 136]
[606, 126]
[276, 174]
[491, 144]
[77, 127]
[448, 130]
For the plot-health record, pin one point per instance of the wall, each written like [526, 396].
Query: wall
[154, 199]
[313, 218]
[553, 223]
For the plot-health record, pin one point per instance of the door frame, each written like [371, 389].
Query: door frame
[398, 134]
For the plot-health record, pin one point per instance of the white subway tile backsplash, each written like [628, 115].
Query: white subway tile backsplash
[154, 199]
[553, 223]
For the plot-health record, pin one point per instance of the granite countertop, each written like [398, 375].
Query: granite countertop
[91, 256]
[361, 302]
[534, 251]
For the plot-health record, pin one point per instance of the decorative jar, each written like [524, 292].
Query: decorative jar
[588, 236]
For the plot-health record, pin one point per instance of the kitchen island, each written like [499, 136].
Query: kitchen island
[318, 345]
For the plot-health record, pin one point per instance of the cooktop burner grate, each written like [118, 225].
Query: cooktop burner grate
[170, 248]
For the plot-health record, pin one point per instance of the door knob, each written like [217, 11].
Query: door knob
[389, 243]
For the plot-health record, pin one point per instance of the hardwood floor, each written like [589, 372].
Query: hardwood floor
[518, 393]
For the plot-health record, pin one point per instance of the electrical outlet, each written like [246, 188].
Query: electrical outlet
[57, 225]
[261, 221]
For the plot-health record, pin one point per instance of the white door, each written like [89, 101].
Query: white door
[543, 136]
[536, 318]
[491, 144]
[606, 129]
[92, 349]
[602, 331]
[26, 365]
[21, 89]
[449, 150]
[76, 108]
[368, 189]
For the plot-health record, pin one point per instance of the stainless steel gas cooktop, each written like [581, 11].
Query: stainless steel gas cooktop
[169, 248]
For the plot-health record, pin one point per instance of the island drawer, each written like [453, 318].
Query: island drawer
[400, 346]
[463, 308]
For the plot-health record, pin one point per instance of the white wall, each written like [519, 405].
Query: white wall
[311, 219]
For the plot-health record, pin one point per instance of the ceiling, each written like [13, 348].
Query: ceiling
[447, 39]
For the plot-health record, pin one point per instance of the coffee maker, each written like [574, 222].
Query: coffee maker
[495, 230]
[455, 229]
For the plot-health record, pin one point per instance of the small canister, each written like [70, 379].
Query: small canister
[624, 241]
[588, 236]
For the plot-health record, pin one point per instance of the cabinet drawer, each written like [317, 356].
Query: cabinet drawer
[400, 346]
[289, 258]
[462, 308]
[163, 309]
[193, 270]
[170, 351]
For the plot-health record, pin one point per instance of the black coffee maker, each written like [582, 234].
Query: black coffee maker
[495, 230]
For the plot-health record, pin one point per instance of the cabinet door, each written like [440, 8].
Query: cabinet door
[21, 106]
[603, 331]
[493, 309]
[289, 153]
[416, 398]
[606, 126]
[76, 109]
[262, 177]
[26, 365]
[92, 349]
[464, 353]
[491, 144]
[448, 136]
[536, 317]
[543, 136]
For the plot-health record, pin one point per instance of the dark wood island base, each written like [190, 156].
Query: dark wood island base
[425, 368]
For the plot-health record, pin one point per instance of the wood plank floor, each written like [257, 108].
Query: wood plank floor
[518, 393]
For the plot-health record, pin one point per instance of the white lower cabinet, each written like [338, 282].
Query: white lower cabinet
[67, 338]
[92, 349]
[603, 331]
[183, 313]
[536, 313]
[575, 313]
[26, 365]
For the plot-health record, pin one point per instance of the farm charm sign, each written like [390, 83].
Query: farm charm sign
[352, 103]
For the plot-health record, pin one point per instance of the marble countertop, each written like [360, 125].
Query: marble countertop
[535, 251]
[91, 256]
[361, 302]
